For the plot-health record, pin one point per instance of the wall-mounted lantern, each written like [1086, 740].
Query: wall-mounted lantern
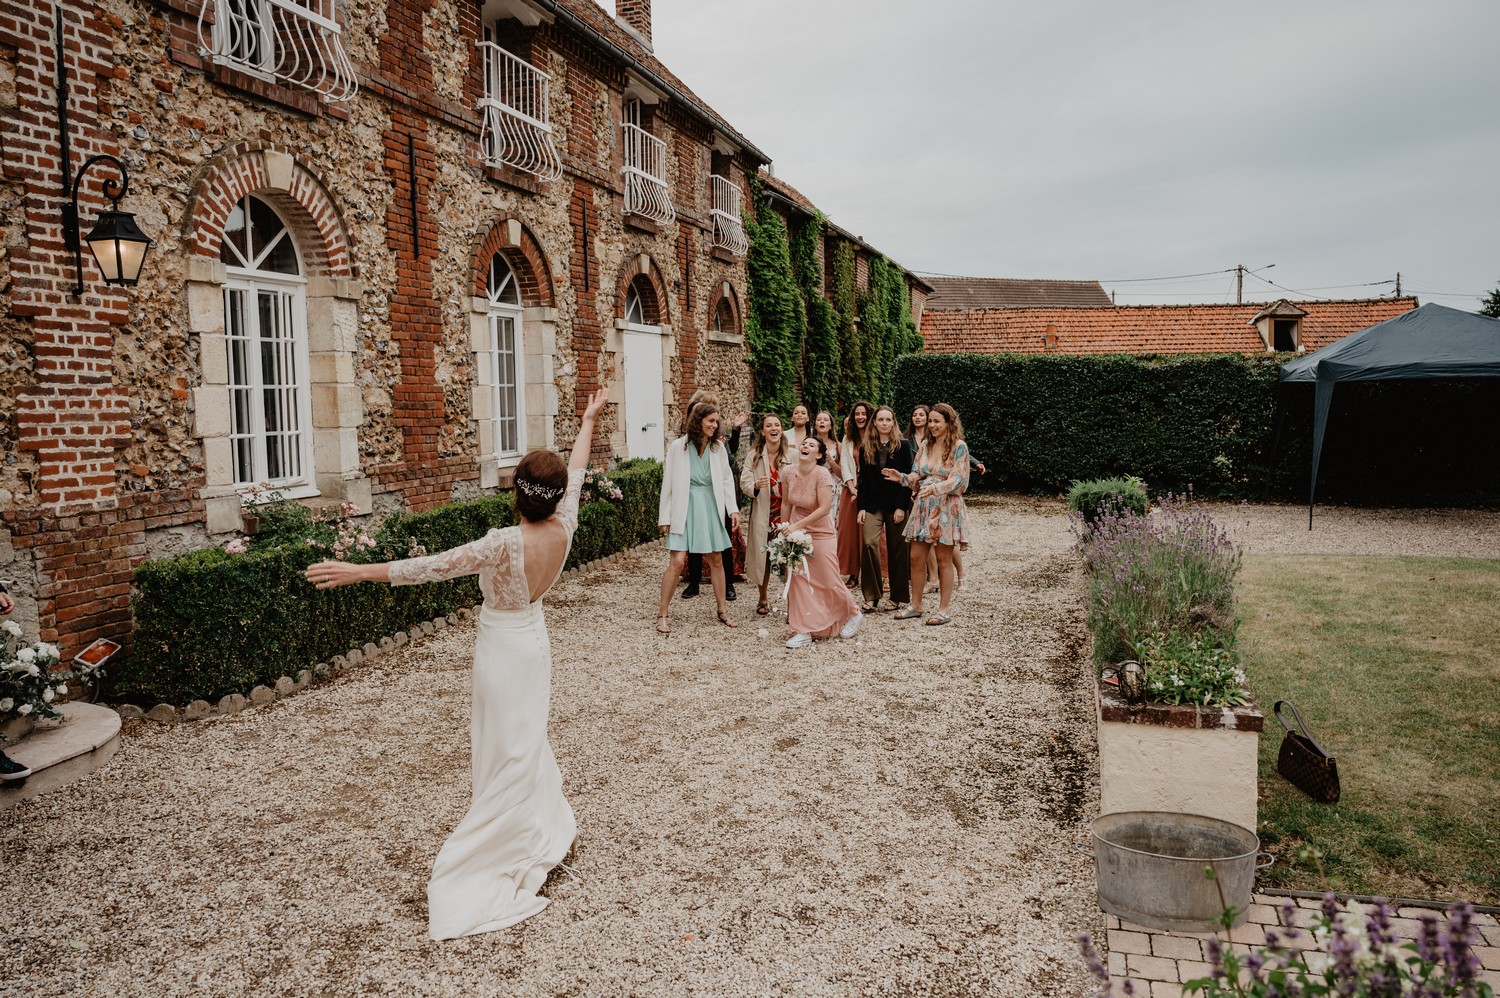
[116, 242]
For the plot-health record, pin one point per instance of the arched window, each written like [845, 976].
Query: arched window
[265, 325]
[724, 321]
[635, 312]
[505, 357]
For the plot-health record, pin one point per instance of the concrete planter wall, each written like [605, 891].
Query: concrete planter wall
[1187, 760]
[13, 730]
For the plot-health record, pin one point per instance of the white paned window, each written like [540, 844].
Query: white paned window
[295, 42]
[506, 391]
[635, 314]
[265, 326]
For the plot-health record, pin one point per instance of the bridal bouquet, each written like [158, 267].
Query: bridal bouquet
[788, 553]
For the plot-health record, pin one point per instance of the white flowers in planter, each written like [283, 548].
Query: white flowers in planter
[28, 683]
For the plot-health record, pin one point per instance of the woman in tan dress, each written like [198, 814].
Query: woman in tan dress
[761, 480]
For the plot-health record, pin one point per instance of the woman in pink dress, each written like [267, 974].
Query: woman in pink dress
[817, 603]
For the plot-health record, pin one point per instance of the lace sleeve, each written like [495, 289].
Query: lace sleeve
[567, 510]
[490, 552]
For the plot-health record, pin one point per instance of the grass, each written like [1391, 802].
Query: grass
[1394, 664]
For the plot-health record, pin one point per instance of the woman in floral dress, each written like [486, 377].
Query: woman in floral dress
[817, 603]
[938, 521]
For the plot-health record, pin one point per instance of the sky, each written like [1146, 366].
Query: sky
[1343, 141]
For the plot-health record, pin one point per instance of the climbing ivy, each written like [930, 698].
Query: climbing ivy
[820, 357]
[776, 321]
[852, 383]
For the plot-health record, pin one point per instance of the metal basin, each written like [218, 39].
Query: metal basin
[1150, 866]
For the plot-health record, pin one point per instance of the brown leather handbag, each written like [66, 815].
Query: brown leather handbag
[1305, 763]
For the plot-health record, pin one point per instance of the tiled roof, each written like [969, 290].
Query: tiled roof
[1143, 329]
[1005, 292]
[589, 13]
[788, 191]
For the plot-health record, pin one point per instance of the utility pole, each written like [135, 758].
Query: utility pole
[1239, 284]
[1398, 284]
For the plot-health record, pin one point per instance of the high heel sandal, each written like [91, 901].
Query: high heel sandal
[663, 625]
[724, 618]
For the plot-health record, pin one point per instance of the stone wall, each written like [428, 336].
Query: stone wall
[114, 409]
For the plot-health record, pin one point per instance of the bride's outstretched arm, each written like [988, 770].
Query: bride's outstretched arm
[583, 444]
[328, 574]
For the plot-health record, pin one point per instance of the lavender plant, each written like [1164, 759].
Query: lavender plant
[1343, 953]
[1171, 570]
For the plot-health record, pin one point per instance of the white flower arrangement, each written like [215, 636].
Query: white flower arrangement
[29, 686]
[789, 552]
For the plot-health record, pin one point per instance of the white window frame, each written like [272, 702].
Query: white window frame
[500, 311]
[294, 289]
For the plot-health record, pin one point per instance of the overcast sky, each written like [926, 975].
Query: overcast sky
[1341, 140]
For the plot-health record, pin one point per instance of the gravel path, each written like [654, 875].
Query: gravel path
[901, 814]
[1282, 529]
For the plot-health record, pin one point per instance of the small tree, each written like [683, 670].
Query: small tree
[1490, 306]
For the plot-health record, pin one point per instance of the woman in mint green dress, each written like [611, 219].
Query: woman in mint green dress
[697, 494]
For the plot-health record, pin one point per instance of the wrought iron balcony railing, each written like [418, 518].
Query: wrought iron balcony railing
[646, 176]
[729, 228]
[294, 42]
[517, 130]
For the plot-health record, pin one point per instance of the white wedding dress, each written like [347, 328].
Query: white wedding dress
[519, 825]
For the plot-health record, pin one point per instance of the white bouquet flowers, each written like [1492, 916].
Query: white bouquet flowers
[29, 686]
[789, 552]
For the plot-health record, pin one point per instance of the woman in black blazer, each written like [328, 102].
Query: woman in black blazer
[883, 508]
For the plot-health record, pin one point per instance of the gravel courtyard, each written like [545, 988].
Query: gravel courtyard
[902, 814]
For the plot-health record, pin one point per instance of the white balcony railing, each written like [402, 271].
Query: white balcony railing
[294, 42]
[729, 229]
[646, 176]
[517, 129]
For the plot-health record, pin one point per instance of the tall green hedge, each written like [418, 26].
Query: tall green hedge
[776, 321]
[211, 623]
[1040, 422]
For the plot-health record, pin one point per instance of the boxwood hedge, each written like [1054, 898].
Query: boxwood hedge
[210, 623]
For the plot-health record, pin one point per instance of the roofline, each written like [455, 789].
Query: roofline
[1126, 308]
[652, 77]
[846, 234]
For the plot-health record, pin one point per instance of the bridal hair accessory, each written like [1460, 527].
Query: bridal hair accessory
[537, 491]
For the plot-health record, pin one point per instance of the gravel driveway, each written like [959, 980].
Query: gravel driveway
[900, 814]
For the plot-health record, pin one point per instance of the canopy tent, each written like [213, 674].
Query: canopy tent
[1432, 341]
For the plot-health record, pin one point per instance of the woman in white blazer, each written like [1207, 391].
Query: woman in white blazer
[697, 494]
[761, 479]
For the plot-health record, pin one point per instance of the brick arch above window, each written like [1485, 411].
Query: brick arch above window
[513, 239]
[641, 273]
[290, 186]
[724, 318]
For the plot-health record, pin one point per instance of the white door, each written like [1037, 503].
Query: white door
[645, 416]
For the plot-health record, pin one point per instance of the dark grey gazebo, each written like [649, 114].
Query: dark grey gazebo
[1432, 341]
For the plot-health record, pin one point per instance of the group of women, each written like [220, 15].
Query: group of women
[884, 509]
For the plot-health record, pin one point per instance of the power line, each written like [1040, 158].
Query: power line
[1179, 277]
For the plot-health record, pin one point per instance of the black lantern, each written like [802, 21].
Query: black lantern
[119, 247]
[116, 242]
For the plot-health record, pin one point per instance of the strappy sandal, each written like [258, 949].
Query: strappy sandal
[663, 625]
[910, 613]
[939, 618]
[888, 606]
[868, 608]
[724, 619]
[763, 608]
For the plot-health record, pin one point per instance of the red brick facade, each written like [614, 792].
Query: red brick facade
[113, 419]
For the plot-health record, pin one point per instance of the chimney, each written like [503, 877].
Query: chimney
[635, 16]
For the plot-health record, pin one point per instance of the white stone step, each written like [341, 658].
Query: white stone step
[59, 753]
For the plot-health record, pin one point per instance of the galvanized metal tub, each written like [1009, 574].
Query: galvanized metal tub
[1150, 866]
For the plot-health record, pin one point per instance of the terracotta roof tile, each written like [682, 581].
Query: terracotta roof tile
[1143, 329]
[1005, 292]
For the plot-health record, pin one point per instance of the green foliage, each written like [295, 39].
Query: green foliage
[1100, 495]
[776, 321]
[1197, 667]
[211, 623]
[1490, 306]
[853, 383]
[820, 361]
[886, 328]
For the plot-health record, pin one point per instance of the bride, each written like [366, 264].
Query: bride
[519, 825]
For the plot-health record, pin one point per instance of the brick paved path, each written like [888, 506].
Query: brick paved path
[1157, 963]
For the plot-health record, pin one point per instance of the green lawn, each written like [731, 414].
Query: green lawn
[1395, 665]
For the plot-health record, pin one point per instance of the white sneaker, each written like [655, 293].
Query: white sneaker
[799, 641]
[852, 627]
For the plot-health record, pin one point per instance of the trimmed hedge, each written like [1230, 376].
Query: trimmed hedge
[211, 623]
[1041, 422]
[1101, 496]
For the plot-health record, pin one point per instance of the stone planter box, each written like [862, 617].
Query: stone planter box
[1187, 760]
[16, 729]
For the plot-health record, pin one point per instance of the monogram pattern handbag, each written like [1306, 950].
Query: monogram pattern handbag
[1305, 763]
